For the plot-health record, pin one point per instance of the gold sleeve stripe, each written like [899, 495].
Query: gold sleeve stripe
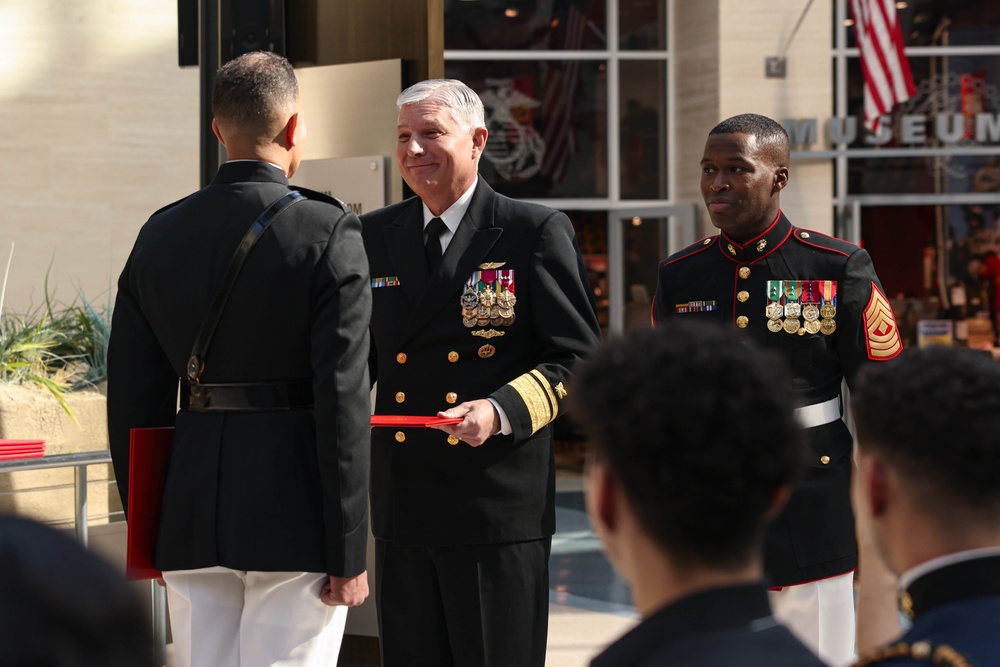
[881, 329]
[538, 396]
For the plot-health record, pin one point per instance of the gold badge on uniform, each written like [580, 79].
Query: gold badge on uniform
[487, 351]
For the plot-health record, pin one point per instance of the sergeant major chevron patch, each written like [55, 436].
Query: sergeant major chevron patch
[882, 334]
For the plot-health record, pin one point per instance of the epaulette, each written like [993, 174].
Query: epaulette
[823, 241]
[941, 655]
[171, 205]
[320, 196]
[692, 249]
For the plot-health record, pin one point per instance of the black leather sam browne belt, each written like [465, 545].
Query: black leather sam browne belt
[247, 396]
[240, 397]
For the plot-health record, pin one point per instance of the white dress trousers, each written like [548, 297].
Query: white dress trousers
[229, 618]
[821, 614]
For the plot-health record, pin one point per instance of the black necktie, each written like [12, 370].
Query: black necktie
[432, 247]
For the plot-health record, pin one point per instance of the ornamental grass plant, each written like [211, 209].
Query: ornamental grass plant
[60, 347]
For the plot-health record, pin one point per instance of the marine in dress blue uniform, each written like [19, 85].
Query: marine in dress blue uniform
[927, 495]
[812, 298]
[955, 613]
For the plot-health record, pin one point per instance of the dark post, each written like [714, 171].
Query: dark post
[209, 62]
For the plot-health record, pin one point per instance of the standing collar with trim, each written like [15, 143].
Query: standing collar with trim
[759, 246]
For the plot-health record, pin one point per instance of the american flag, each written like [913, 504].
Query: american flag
[558, 96]
[887, 72]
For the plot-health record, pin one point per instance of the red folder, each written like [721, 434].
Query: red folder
[147, 473]
[413, 420]
[16, 450]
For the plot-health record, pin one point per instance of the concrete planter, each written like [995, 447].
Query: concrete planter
[30, 412]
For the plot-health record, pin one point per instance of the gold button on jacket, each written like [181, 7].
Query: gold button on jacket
[451, 397]
[401, 358]
[400, 397]
[400, 436]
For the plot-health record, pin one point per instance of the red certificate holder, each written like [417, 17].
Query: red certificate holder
[149, 454]
[413, 421]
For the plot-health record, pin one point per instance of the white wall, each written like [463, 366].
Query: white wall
[100, 129]
[720, 52]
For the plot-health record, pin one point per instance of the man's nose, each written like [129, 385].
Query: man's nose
[413, 147]
[719, 184]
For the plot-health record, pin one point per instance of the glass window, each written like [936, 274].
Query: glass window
[954, 84]
[511, 25]
[643, 129]
[547, 122]
[951, 23]
[642, 25]
[591, 229]
[645, 245]
[924, 175]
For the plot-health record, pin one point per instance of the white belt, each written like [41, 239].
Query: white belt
[817, 414]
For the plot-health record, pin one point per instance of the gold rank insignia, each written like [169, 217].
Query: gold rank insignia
[906, 604]
[761, 245]
[560, 391]
[539, 398]
[882, 334]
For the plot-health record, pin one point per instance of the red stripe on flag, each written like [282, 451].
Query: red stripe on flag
[888, 80]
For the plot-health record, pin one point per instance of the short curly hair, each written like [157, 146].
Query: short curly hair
[770, 135]
[934, 414]
[255, 94]
[698, 425]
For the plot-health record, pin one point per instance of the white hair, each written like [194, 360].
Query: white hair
[462, 101]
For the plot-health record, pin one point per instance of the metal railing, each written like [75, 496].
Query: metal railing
[80, 462]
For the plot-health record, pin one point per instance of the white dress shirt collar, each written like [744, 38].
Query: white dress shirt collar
[929, 566]
[453, 215]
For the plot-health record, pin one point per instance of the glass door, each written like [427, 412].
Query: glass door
[638, 240]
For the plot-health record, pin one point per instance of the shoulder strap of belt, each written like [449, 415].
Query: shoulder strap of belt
[196, 363]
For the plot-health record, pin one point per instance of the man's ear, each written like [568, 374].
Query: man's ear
[780, 179]
[479, 136]
[876, 477]
[602, 499]
[217, 132]
[291, 137]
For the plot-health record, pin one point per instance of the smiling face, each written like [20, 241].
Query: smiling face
[740, 181]
[437, 157]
